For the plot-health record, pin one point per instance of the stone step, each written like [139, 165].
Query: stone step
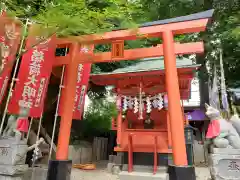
[148, 169]
[36, 173]
[124, 175]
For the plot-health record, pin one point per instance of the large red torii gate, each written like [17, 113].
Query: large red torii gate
[165, 29]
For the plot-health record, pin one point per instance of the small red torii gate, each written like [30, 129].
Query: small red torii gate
[165, 29]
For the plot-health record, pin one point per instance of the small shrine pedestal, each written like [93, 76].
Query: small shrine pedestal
[225, 164]
[12, 159]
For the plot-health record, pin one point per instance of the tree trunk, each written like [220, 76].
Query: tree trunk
[201, 59]
[203, 81]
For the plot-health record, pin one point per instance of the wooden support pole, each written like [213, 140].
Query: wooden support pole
[174, 105]
[169, 131]
[68, 100]
[155, 161]
[130, 153]
[119, 121]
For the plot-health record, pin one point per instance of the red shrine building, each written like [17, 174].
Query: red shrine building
[143, 127]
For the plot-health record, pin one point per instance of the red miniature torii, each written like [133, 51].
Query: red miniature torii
[169, 49]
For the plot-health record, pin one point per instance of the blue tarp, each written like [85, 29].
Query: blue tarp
[196, 115]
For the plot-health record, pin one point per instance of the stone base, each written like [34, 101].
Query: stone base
[181, 173]
[143, 173]
[124, 175]
[36, 173]
[110, 167]
[20, 177]
[225, 151]
[59, 170]
[225, 165]
[148, 169]
[12, 152]
[13, 170]
[116, 169]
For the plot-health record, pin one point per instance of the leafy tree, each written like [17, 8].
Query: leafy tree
[223, 33]
[75, 17]
[97, 119]
[78, 17]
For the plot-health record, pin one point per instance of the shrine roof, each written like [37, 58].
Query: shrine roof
[151, 64]
[150, 73]
[191, 17]
[196, 16]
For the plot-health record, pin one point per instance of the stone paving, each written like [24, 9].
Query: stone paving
[92, 175]
[101, 174]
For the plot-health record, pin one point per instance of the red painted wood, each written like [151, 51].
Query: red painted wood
[134, 78]
[130, 154]
[140, 53]
[117, 49]
[155, 156]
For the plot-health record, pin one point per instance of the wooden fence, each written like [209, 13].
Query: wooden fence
[87, 153]
[100, 149]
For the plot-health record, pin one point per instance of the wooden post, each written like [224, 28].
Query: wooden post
[169, 131]
[119, 121]
[155, 161]
[68, 106]
[130, 153]
[174, 105]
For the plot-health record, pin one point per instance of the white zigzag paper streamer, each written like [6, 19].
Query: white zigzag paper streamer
[136, 106]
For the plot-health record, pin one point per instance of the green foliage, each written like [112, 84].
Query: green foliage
[100, 113]
[76, 17]
[223, 33]
[97, 120]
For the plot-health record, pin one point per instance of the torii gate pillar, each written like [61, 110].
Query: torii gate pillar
[60, 169]
[180, 170]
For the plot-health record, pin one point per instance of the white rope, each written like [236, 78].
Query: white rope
[38, 134]
[129, 98]
[29, 129]
[56, 113]
[39, 127]
[14, 77]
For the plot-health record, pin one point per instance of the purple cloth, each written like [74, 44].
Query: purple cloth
[196, 115]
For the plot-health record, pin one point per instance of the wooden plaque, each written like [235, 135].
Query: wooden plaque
[118, 49]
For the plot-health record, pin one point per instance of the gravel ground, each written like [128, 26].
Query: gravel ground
[101, 174]
[92, 175]
[202, 173]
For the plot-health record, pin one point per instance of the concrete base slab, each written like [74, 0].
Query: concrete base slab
[124, 175]
[36, 173]
[13, 152]
[116, 169]
[13, 170]
[225, 166]
[11, 177]
[148, 169]
[225, 151]
[110, 167]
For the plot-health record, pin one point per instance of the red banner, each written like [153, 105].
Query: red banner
[84, 71]
[81, 90]
[34, 74]
[9, 42]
